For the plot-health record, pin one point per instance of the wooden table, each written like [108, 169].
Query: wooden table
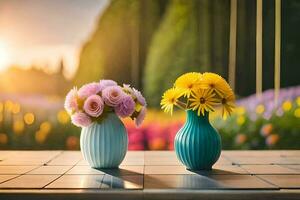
[149, 175]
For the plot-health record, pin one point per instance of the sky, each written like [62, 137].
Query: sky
[42, 32]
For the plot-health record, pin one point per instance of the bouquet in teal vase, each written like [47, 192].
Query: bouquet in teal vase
[97, 108]
[197, 144]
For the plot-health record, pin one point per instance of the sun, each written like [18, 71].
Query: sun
[4, 55]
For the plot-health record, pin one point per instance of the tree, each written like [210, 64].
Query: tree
[187, 40]
[118, 48]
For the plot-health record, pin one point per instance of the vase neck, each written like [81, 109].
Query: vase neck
[192, 116]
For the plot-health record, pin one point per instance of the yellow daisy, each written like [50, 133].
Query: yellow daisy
[170, 98]
[216, 83]
[203, 100]
[188, 82]
[227, 103]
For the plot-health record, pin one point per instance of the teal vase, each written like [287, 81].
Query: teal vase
[104, 144]
[197, 143]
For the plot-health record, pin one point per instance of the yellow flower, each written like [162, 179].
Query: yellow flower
[260, 109]
[18, 127]
[227, 103]
[240, 120]
[297, 112]
[170, 98]
[240, 110]
[216, 83]
[29, 118]
[287, 105]
[297, 101]
[203, 100]
[188, 82]
[63, 117]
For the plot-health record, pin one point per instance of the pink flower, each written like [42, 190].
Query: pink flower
[89, 89]
[139, 97]
[71, 104]
[141, 116]
[81, 119]
[93, 105]
[126, 107]
[105, 83]
[113, 95]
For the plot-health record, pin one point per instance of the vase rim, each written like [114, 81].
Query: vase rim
[206, 113]
[105, 117]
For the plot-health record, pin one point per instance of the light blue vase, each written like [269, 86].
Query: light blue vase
[197, 143]
[104, 144]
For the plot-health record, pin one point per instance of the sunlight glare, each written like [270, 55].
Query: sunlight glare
[4, 56]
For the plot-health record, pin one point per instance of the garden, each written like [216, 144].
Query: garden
[256, 123]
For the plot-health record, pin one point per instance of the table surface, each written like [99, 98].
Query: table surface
[149, 175]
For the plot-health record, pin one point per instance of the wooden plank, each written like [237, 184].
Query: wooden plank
[84, 170]
[205, 182]
[122, 170]
[259, 46]
[263, 160]
[15, 169]
[29, 181]
[268, 169]
[223, 169]
[122, 182]
[28, 157]
[77, 181]
[293, 167]
[125, 170]
[232, 44]
[277, 57]
[67, 158]
[50, 170]
[7, 177]
[283, 181]
[134, 158]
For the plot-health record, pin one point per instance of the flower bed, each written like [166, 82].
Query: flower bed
[256, 124]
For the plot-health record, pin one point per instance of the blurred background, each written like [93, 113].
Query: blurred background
[47, 47]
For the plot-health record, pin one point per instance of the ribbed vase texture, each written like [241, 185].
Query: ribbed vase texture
[104, 144]
[197, 143]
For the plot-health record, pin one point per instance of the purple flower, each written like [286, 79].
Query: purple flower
[113, 95]
[135, 94]
[81, 119]
[93, 105]
[105, 83]
[141, 116]
[71, 104]
[89, 89]
[139, 97]
[126, 107]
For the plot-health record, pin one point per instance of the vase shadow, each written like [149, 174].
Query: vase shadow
[214, 172]
[121, 178]
[118, 171]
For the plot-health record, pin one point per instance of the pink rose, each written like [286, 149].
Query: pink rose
[113, 95]
[126, 107]
[71, 104]
[141, 116]
[81, 119]
[89, 89]
[93, 105]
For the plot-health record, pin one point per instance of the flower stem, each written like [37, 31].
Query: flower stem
[181, 105]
